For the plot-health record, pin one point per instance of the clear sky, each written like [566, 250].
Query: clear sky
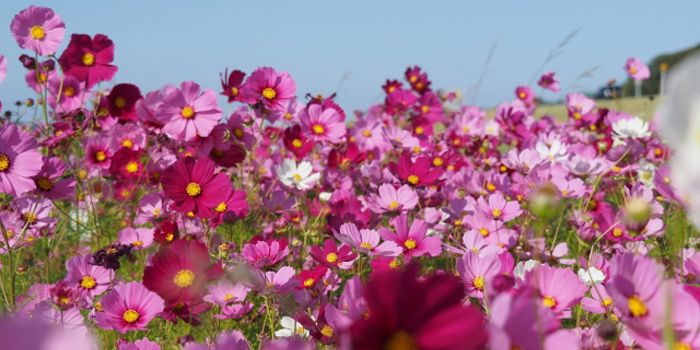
[320, 42]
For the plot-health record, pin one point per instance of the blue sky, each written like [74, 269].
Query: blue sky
[320, 42]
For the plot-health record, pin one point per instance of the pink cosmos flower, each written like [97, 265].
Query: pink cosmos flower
[274, 89]
[476, 271]
[265, 253]
[321, 125]
[525, 94]
[186, 113]
[90, 279]
[129, 307]
[89, 59]
[48, 182]
[578, 105]
[525, 161]
[226, 292]
[636, 69]
[233, 206]
[19, 160]
[392, 200]
[97, 152]
[142, 344]
[72, 96]
[498, 209]
[139, 238]
[549, 82]
[273, 282]
[559, 288]
[3, 68]
[333, 256]
[413, 241]
[366, 241]
[38, 29]
[400, 101]
[416, 174]
[34, 211]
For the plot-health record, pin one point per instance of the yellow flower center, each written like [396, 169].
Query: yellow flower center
[549, 302]
[666, 179]
[138, 244]
[238, 132]
[169, 237]
[522, 95]
[132, 167]
[88, 59]
[484, 232]
[98, 307]
[296, 143]
[100, 156]
[228, 296]
[617, 232]
[400, 340]
[120, 102]
[300, 330]
[410, 244]
[458, 222]
[491, 187]
[419, 129]
[413, 179]
[682, 346]
[4, 162]
[327, 331]
[187, 112]
[297, 177]
[269, 93]
[366, 245]
[633, 70]
[393, 205]
[496, 212]
[636, 306]
[131, 316]
[88, 282]
[288, 116]
[221, 207]
[69, 92]
[607, 302]
[44, 183]
[309, 282]
[319, 129]
[193, 189]
[30, 217]
[234, 91]
[438, 161]
[577, 115]
[37, 32]
[184, 278]
[478, 283]
[127, 143]
[332, 257]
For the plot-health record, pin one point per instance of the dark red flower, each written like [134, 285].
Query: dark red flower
[415, 174]
[408, 313]
[181, 271]
[126, 164]
[331, 255]
[232, 83]
[345, 156]
[89, 59]
[309, 279]
[296, 142]
[121, 102]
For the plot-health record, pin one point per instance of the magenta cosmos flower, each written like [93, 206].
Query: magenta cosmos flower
[128, 307]
[180, 272]
[265, 253]
[405, 312]
[19, 161]
[88, 59]
[549, 82]
[416, 174]
[274, 89]
[636, 69]
[333, 256]
[322, 125]
[187, 113]
[413, 241]
[476, 271]
[48, 182]
[194, 186]
[38, 29]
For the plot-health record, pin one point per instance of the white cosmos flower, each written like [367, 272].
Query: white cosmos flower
[523, 267]
[631, 128]
[291, 327]
[299, 176]
[645, 173]
[591, 276]
[556, 151]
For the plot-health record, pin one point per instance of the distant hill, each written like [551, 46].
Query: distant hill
[651, 85]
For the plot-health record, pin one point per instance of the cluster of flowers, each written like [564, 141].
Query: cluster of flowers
[418, 227]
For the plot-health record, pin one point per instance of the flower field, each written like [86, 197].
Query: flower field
[146, 220]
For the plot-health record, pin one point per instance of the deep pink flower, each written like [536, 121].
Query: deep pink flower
[525, 94]
[128, 307]
[38, 29]
[97, 153]
[400, 101]
[413, 241]
[89, 59]
[416, 174]
[321, 125]
[636, 69]
[309, 279]
[194, 186]
[181, 271]
[549, 82]
[559, 288]
[233, 206]
[265, 253]
[274, 89]
[48, 182]
[3, 68]
[333, 256]
[187, 114]
[410, 313]
[232, 84]
[19, 160]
